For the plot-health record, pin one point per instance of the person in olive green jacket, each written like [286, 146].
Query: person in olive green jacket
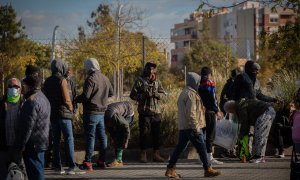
[147, 91]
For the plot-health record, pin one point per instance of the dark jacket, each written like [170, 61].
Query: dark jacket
[58, 93]
[72, 87]
[33, 133]
[96, 91]
[3, 144]
[207, 92]
[226, 93]
[247, 86]
[248, 111]
[125, 109]
[147, 93]
[116, 121]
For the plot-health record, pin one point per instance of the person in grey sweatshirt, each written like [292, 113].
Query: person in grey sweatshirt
[96, 91]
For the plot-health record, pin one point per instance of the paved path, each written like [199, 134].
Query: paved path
[274, 169]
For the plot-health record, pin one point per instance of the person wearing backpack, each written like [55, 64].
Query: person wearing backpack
[147, 91]
[10, 107]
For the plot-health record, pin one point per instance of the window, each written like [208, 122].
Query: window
[187, 31]
[274, 18]
[186, 43]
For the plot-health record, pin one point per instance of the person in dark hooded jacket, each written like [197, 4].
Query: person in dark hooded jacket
[247, 86]
[147, 91]
[58, 93]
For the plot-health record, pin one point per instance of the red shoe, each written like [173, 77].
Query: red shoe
[101, 164]
[86, 166]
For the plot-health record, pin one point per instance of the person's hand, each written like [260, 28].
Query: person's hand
[219, 115]
[125, 145]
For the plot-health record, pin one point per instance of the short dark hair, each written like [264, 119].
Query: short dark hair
[32, 77]
[205, 71]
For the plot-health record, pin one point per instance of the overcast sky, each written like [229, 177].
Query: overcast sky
[41, 16]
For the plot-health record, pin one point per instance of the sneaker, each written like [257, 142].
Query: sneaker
[281, 156]
[86, 166]
[75, 170]
[258, 160]
[216, 162]
[115, 163]
[59, 171]
[101, 164]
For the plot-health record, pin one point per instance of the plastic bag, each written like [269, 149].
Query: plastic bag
[226, 132]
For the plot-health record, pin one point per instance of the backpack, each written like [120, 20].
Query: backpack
[16, 172]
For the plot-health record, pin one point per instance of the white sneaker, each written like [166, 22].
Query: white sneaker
[215, 162]
[76, 170]
[281, 155]
[59, 171]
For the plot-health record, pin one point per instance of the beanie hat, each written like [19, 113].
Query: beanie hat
[205, 71]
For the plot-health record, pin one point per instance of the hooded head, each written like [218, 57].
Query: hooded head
[91, 65]
[193, 80]
[58, 67]
[252, 68]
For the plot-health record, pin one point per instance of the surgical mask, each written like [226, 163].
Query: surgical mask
[13, 92]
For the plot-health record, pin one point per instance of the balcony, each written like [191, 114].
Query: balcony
[186, 37]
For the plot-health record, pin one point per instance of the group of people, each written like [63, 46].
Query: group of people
[32, 113]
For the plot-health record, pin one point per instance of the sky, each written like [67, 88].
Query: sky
[41, 16]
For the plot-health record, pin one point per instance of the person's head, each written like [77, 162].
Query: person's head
[150, 71]
[252, 68]
[193, 80]
[13, 90]
[31, 70]
[58, 67]
[91, 65]
[206, 72]
[233, 73]
[31, 82]
[230, 106]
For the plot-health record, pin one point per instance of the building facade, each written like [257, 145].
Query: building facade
[238, 28]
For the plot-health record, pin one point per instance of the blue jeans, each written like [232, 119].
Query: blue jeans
[34, 162]
[94, 124]
[197, 140]
[63, 126]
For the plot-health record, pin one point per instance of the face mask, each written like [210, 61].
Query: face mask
[13, 92]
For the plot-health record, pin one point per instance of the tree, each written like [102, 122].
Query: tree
[17, 50]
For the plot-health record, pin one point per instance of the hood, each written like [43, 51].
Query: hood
[58, 67]
[192, 80]
[91, 65]
[248, 67]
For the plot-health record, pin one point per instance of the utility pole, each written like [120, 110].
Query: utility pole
[53, 43]
[118, 53]
[143, 51]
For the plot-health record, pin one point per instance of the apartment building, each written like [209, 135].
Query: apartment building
[239, 28]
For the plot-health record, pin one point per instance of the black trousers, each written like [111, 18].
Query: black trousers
[284, 138]
[149, 125]
[210, 129]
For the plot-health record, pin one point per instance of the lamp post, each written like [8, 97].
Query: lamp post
[53, 43]
[118, 52]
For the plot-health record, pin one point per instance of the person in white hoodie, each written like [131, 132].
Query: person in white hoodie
[190, 121]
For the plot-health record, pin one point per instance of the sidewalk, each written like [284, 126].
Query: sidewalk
[232, 169]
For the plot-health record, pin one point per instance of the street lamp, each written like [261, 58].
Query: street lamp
[53, 43]
[119, 88]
